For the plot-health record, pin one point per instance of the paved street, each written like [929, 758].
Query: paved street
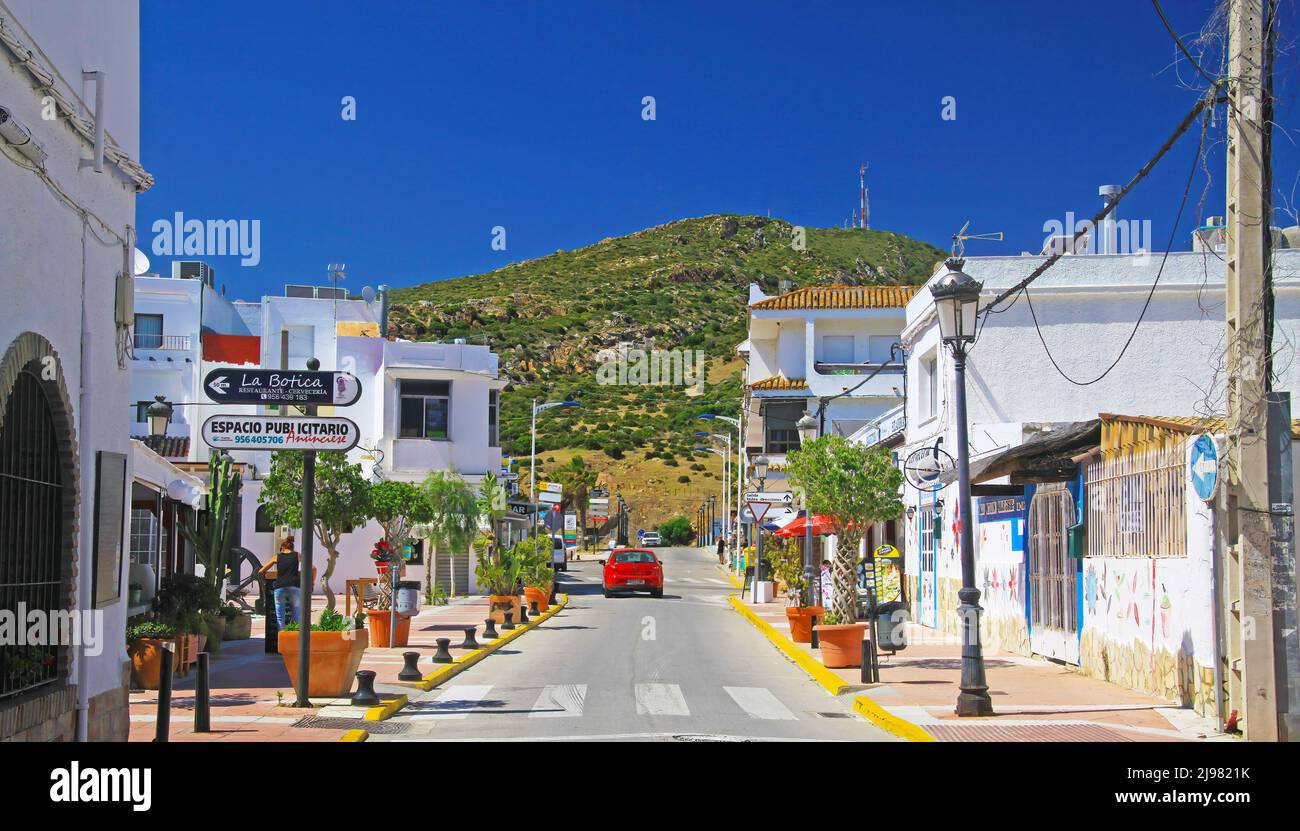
[636, 668]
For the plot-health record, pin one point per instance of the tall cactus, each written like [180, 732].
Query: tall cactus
[214, 536]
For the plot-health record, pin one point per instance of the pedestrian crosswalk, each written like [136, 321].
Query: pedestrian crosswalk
[697, 581]
[654, 700]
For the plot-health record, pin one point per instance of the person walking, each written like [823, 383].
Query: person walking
[286, 591]
[828, 586]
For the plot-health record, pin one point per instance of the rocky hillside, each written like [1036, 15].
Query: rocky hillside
[682, 286]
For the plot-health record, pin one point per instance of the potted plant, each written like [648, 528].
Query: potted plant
[500, 579]
[786, 558]
[380, 616]
[135, 594]
[841, 643]
[536, 571]
[145, 642]
[239, 624]
[183, 601]
[337, 644]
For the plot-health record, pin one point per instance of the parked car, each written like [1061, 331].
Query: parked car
[633, 570]
[651, 539]
[559, 558]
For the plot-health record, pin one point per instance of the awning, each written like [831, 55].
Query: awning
[822, 525]
[1046, 457]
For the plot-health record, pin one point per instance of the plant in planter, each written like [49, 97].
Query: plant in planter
[145, 642]
[380, 614]
[500, 579]
[337, 644]
[239, 624]
[212, 532]
[398, 507]
[135, 594]
[536, 571]
[786, 558]
[342, 501]
[841, 641]
[187, 602]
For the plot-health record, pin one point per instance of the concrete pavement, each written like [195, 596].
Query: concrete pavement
[683, 667]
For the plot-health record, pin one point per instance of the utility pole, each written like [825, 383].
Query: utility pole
[1248, 538]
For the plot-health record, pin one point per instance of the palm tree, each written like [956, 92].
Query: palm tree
[578, 480]
[454, 519]
[491, 507]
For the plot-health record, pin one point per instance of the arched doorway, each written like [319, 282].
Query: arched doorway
[37, 510]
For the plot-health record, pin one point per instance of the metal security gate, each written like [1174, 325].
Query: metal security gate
[1053, 585]
[31, 530]
[929, 544]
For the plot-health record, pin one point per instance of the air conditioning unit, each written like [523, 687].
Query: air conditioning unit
[315, 292]
[193, 270]
[1065, 244]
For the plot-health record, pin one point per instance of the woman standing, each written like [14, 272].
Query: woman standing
[287, 592]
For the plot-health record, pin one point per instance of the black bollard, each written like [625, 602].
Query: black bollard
[865, 664]
[532, 608]
[164, 724]
[510, 621]
[411, 670]
[469, 642]
[490, 630]
[202, 719]
[523, 615]
[554, 589]
[815, 643]
[442, 655]
[365, 695]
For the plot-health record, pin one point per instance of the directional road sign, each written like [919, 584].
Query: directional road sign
[235, 385]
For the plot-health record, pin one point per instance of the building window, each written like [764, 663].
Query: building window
[779, 420]
[1136, 502]
[425, 409]
[494, 413]
[148, 331]
[929, 387]
[837, 349]
[262, 523]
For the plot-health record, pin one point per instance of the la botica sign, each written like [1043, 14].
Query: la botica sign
[236, 432]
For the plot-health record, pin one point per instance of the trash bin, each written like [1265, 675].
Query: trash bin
[891, 625]
[408, 597]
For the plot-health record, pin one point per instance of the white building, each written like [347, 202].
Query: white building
[1037, 443]
[830, 351]
[423, 407]
[66, 237]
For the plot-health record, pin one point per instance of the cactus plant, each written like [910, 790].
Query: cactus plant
[213, 533]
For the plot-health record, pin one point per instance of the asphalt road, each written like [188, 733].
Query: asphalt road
[684, 667]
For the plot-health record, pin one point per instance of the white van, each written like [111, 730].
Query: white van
[558, 559]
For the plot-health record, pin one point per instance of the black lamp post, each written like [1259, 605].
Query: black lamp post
[760, 476]
[956, 300]
[808, 428]
[159, 415]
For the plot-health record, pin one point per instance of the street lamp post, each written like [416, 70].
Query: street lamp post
[739, 475]
[532, 456]
[726, 477]
[809, 430]
[159, 415]
[956, 300]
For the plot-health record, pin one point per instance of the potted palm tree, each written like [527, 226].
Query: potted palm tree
[786, 560]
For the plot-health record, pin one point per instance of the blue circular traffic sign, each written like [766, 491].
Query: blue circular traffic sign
[1203, 467]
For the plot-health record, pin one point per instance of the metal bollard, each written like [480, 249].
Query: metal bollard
[532, 608]
[365, 695]
[164, 724]
[869, 673]
[523, 615]
[411, 669]
[202, 692]
[490, 630]
[553, 590]
[469, 642]
[442, 655]
[815, 643]
[510, 621]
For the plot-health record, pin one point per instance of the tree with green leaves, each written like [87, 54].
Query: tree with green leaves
[342, 501]
[855, 486]
[399, 507]
[491, 507]
[454, 517]
[578, 480]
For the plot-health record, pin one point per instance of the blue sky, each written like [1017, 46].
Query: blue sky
[528, 116]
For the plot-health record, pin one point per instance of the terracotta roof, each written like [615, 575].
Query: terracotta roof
[840, 297]
[777, 382]
[1185, 424]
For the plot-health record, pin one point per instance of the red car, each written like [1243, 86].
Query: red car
[633, 570]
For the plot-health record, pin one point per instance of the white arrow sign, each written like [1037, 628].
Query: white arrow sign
[783, 498]
[219, 384]
[1204, 466]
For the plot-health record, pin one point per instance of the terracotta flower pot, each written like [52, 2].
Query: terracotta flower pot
[146, 662]
[542, 596]
[379, 620]
[499, 604]
[334, 659]
[238, 628]
[841, 644]
[800, 618]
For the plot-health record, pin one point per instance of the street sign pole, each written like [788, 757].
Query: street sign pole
[304, 573]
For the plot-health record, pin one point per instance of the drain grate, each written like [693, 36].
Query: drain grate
[707, 737]
[329, 723]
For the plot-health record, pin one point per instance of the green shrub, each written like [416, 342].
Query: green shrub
[676, 531]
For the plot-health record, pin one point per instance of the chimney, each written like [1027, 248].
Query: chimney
[1106, 233]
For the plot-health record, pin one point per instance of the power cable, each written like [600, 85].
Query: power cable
[1170, 28]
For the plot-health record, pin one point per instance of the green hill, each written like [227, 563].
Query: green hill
[677, 286]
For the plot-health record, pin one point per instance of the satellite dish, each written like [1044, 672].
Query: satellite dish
[368, 294]
[139, 263]
[925, 467]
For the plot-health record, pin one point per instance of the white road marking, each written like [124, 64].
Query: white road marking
[660, 700]
[560, 701]
[455, 702]
[758, 702]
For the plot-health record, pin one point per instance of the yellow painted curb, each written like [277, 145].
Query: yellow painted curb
[889, 722]
[464, 662]
[731, 577]
[386, 708]
[355, 736]
[832, 682]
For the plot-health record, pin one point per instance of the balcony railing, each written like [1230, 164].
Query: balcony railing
[166, 343]
[866, 368]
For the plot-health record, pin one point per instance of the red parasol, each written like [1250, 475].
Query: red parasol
[822, 526]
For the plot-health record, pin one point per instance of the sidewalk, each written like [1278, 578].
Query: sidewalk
[251, 690]
[1034, 699]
